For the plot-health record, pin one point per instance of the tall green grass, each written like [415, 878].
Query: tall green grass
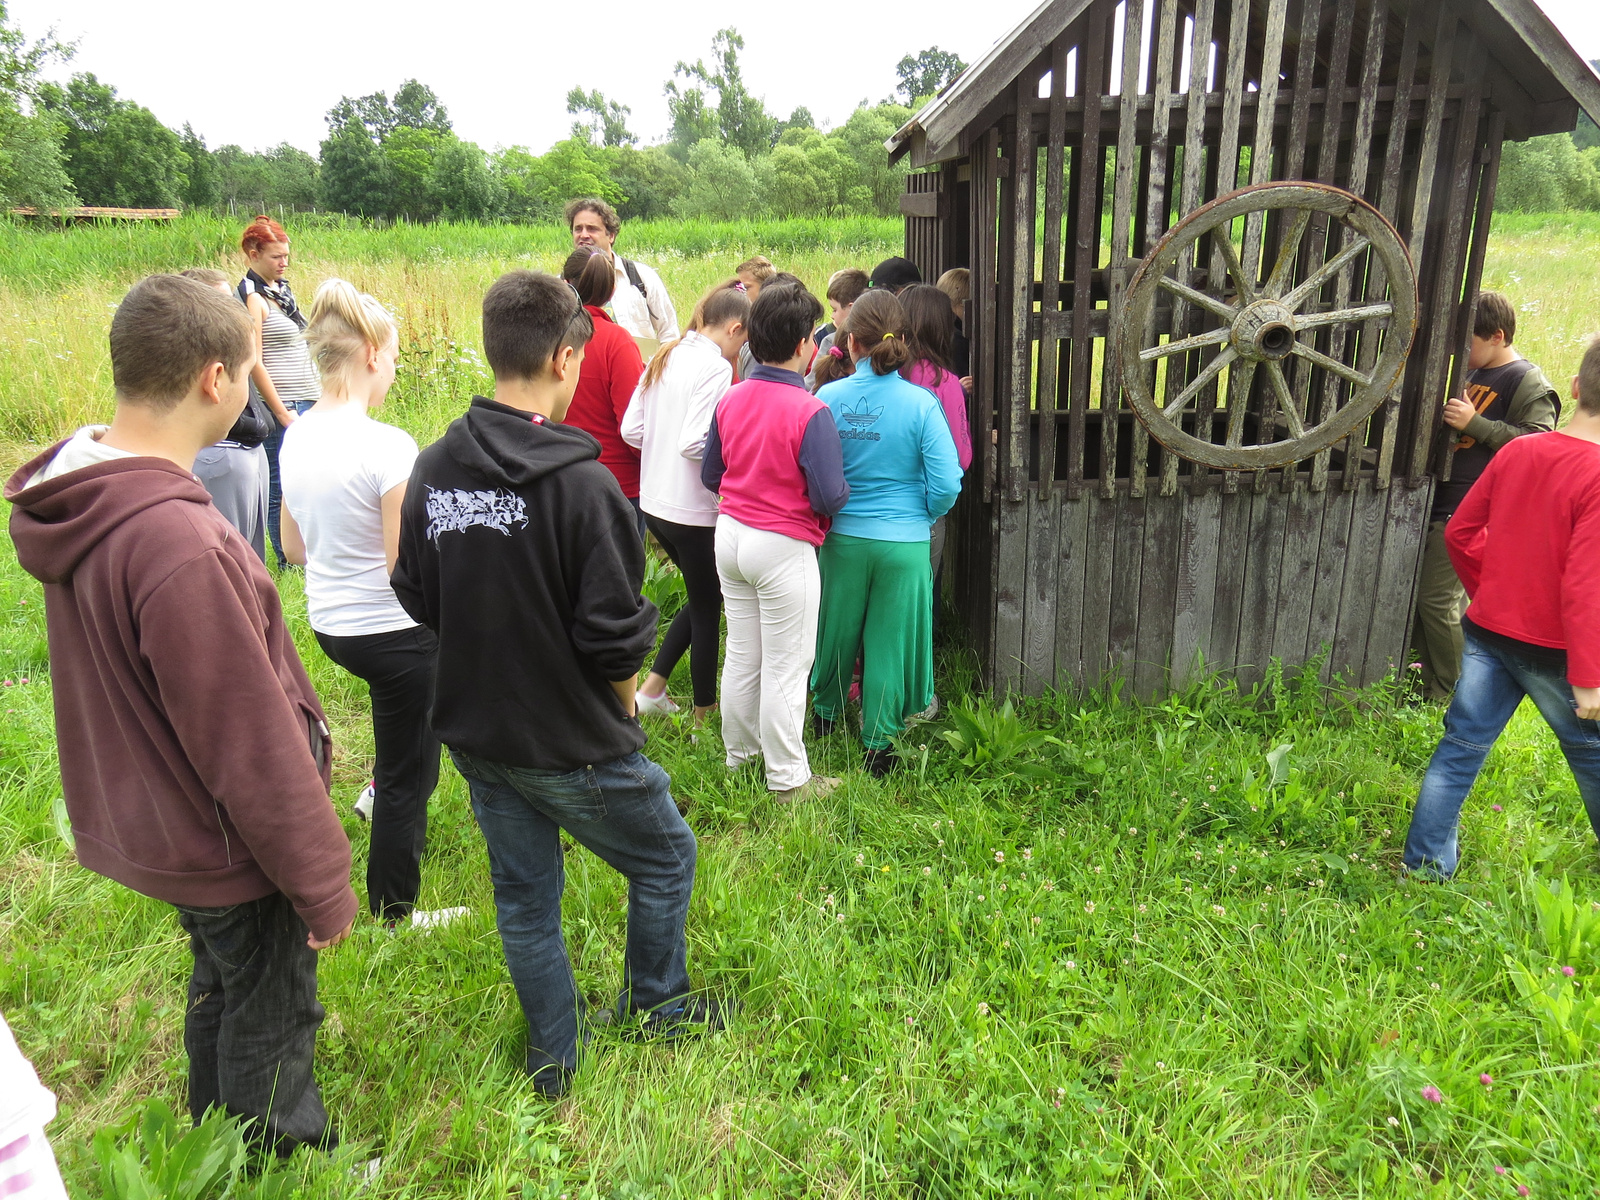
[37, 258]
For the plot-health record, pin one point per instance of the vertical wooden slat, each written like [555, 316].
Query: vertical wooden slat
[1448, 298]
[1050, 301]
[1237, 54]
[1261, 165]
[1155, 215]
[1099, 553]
[1122, 208]
[1075, 538]
[1474, 280]
[1158, 593]
[1302, 534]
[1399, 561]
[1331, 554]
[1360, 153]
[1194, 145]
[1043, 591]
[1086, 231]
[1233, 541]
[1127, 551]
[1358, 585]
[985, 295]
[1327, 169]
[1199, 536]
[1301, 87]
[1427, 416]
[1389, 205]
[1017, 288]
[1259, 603]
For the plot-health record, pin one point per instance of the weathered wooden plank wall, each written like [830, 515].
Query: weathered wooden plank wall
[1078, 555]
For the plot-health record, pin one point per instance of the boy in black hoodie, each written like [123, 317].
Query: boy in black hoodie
[520, 551]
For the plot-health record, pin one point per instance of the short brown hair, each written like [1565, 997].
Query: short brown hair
[209, 276]
[528, 317]
[781, 318]
[846, 286]
[1589, 380]
[166, 331]
[607, 214]
[1494, 314]
[759, 268]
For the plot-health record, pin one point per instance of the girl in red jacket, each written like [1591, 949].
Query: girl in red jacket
[610, 371]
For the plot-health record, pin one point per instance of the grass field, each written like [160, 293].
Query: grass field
[1164, 955]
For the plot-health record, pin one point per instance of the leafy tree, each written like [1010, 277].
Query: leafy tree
[608, 118]
[649, 178]
[807, 175]
[410, 152]
[200, 187]
[926, 73]
[742, 120]
[32, 162]
[462, 184]
[117, 153]
[355, 175]
[876, 186]
[1548, 174]
[536, 186]
[416, 106]
[373, 113]
[292, 175]
[722, 184]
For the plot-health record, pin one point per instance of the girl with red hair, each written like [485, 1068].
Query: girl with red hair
[284, 375]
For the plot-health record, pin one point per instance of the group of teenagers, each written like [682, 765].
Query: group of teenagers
[489, 591]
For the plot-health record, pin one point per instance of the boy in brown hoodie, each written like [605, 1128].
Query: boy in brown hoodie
[194, 755]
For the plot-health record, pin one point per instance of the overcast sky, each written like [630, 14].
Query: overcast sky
[503, 69]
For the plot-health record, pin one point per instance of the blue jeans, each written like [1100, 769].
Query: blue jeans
[274, 485]
[1492, 685]
[623, 812]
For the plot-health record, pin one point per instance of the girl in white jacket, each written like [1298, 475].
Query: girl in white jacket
[668, 419]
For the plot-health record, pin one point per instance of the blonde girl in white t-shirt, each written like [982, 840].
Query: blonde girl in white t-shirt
[344, 477]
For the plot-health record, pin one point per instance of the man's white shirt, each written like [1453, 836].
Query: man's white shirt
[650, 315]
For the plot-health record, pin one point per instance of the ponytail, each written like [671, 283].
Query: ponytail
[592, 275]
[878, 324]
[833, 363]
[725, 302]
[344, 324]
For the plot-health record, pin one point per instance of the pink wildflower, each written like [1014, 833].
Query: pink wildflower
[1432, 1095]
[1486, 1079]
[1569, 972]
[1499, 1170]
[1495, 808]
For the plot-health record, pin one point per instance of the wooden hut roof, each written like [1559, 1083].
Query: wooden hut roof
[1539, 79]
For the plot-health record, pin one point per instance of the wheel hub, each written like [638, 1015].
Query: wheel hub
[1264, 332]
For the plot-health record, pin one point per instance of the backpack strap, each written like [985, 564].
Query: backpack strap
[631, 269]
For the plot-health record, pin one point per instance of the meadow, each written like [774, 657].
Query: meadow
[1089, 948]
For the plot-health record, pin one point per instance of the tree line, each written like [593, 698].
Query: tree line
[399, 157]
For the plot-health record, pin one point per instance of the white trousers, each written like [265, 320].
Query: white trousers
[771, 591]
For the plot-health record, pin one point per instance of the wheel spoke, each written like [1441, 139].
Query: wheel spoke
[1212, 370]
[1199, 342]
[1199, 299]
[1283, 269]
[1291, 410]
[1332, 364]
[1230, 256]
[1325, 272]
[1239, 381]
[1339, 315]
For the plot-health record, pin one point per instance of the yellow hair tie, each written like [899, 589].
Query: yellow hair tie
[887, 336]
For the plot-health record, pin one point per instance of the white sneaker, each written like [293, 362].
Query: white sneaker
[928, 713]
[363, 805]
[662, 705]
[437, 918]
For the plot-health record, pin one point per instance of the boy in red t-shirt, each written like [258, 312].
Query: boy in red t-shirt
[1533, 628]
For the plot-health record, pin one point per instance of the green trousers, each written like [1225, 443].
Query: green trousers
[1436, 628]
[877, 605]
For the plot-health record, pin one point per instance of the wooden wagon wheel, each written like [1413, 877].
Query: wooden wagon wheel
[1250, 324]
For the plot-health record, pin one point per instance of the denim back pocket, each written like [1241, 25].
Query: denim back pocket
[570, 795]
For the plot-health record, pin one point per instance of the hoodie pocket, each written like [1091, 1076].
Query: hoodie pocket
[319, 740]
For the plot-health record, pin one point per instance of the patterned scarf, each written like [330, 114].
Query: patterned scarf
[278, 293]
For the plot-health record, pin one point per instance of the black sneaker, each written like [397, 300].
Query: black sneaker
[880, 762]
[822, 726]
[549, 1079]
[692, 1016]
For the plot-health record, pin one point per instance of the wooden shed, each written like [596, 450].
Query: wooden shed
[1224, 255]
